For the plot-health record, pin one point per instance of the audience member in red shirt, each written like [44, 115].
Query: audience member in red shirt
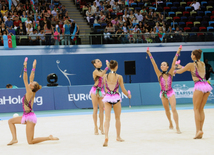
[16, 22]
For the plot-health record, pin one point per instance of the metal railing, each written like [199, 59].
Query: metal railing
[110, 38]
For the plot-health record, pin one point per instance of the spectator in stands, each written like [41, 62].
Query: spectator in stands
[155, 17]
[121, 21]
[28, 21]
[196, 5]
[21, 30]
[29, 28]
[4, 10]
[157, 27]
[118, 35]
[11, 31]
[1, 38]
[11, 86]
[109, 18]
[41, 37]
[141, 26]
[101, 7]
[131, 16]
[94, 7]
[97, 2]
[16, 22]
[178, 34]
[54, 12]
[5, 32]
[66, 30]
[9, 23]
[149, 17]
[136, 28]
[48, 32]
[5, 16]
[53, 22]
[115, 7]
[135, 20]
[170, 36]
[97, 13]
[105, 11]
[125, 27]
[23, 17]
[3, 28]
[89, 14]
[107, 37]
[0, 7]
[164, 27]
[125, 16]
[143, 11]
[139, 16]
[33, 37]
[110, 28]
[115, 22]
[102, 17]
[209, 69]
[63, 10]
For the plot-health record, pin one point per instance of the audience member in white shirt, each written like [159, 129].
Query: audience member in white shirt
[196, 5]
[94, 7]
[139, 16]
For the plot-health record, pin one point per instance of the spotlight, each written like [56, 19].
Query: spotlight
[52, 79]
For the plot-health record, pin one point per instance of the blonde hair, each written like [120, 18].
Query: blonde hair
[66, 22]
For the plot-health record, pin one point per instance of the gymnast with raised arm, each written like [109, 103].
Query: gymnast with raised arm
[167, 94]
[201, 89]
[28, 118]
[97, 93]
[112, 98]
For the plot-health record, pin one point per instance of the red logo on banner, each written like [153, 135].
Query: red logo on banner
[9, 41]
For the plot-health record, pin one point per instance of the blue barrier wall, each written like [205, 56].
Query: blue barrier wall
[57, 98]
[76, 60]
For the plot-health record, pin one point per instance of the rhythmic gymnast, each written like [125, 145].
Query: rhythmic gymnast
[97, 93]
[201, 89]
[112, 98]
[28, 118]
[167, 94]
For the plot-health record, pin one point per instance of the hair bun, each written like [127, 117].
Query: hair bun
[112, 62]
[200, 51]
[40, 87]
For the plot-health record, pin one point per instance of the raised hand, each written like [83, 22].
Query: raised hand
[107, 63]
[34, 63]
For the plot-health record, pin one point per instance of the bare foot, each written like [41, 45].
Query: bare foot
[178, 131]
[102, 131]
[13, 142]
[105, 142]
[199, 135]
[53, 138]
[96, 131]
[120, 140]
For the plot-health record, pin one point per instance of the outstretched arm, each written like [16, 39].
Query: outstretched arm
[97, 73]
[123, 88]
[184, 69]
[25, 78]
[32, 75]
[157, 71]
[174, 60]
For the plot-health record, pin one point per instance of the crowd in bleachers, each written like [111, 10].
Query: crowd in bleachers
[48, 25]
[146, 21]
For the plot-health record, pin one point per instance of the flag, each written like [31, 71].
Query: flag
[127, 2]
[73, 37]
[32, 5]
[10, 3]
[9, 41]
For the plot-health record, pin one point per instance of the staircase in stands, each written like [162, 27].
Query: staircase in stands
[74, 14]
